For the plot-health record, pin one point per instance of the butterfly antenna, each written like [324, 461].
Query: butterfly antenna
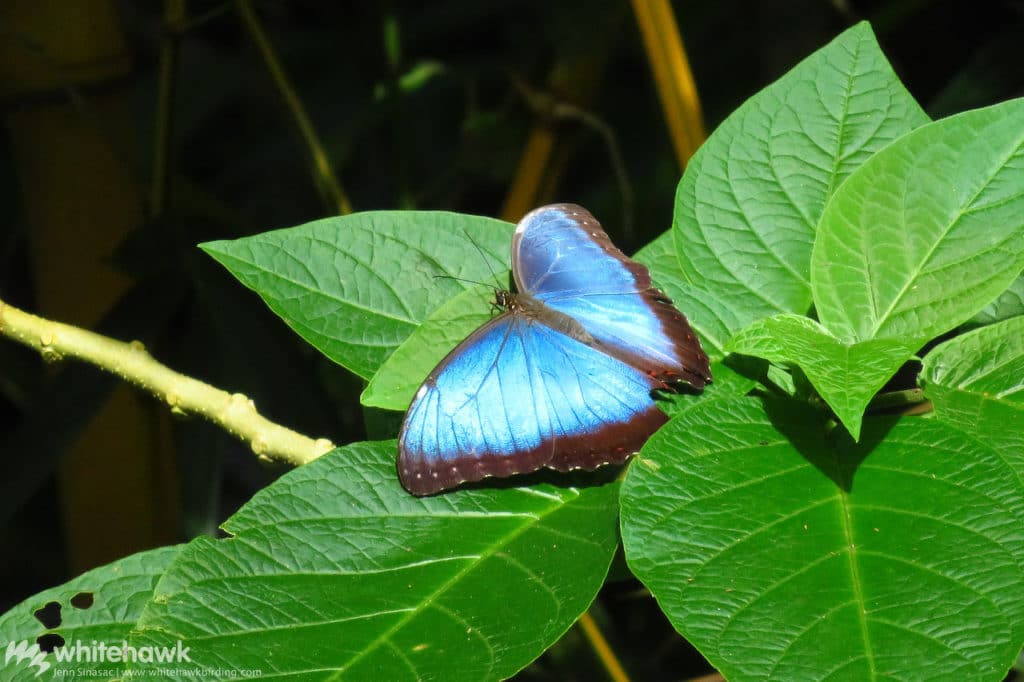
[483, 256]
[462, 279]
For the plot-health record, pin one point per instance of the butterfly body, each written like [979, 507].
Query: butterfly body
[563, 378]
[534, 311]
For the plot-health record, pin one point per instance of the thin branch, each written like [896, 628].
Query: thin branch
[235, 413]
[548, 107]
[907, 401]
[200, 20]
[604, 652]
[174, 19]
[323, 174]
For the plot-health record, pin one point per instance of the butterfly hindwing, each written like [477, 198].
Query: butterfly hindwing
[517, 395]
[562, 257]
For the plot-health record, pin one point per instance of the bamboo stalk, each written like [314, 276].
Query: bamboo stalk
[676, 88]
[523, 194]
[604, 652]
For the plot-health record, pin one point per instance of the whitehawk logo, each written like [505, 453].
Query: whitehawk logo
[27, 654]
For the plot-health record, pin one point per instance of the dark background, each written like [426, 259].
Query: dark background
[416, 105]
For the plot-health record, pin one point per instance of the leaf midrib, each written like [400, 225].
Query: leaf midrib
[961, 211]
[855, 579]
[348, 303]
[490, 552]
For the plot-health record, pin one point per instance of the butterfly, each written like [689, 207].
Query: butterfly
[564, 377]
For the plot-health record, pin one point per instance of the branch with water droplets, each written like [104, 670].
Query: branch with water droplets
[235, 413]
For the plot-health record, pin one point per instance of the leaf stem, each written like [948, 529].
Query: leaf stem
[908, 401]
[236, 413]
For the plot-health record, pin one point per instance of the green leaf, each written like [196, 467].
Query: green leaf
[927, 232]
[729, 381]
[728, 384]
[659, 257]
[356, 286]
[784, 553]
[1009, 304]
[783, 381]
[976, 383]
[395, 384]
[710, 318]
[336, 572]
[845, 375]
[119, 592]
[420, 74]
[750, 200]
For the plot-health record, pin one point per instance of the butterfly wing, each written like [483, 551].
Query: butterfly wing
[516, 396]
[562, 257]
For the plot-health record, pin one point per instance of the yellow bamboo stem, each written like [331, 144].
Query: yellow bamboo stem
[523, 195]
[672, 74]
[234, 412]
[600, 645]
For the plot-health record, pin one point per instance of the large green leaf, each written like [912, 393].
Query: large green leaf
[927, 232]
[976, 382]
[101, 605]
[846, 375]
[660, 259]
[785, 552]
[1009, 304]
[395, 384]
[335, 572]
[356, 286]
[749, 203]
[709, 317]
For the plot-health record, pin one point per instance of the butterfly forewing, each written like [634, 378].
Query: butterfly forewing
[562, 257]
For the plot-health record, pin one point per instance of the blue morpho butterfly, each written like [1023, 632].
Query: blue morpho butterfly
[563, 378]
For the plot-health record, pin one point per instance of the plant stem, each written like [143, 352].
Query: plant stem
[174, 19]
[546, 106]
[600, 645]
[672, 74]
[910, 401]
[323, 174]
[236, 413]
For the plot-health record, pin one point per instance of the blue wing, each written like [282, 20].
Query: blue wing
[516, 396]
[562, 257]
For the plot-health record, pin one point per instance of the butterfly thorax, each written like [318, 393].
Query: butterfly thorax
[532, 310]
